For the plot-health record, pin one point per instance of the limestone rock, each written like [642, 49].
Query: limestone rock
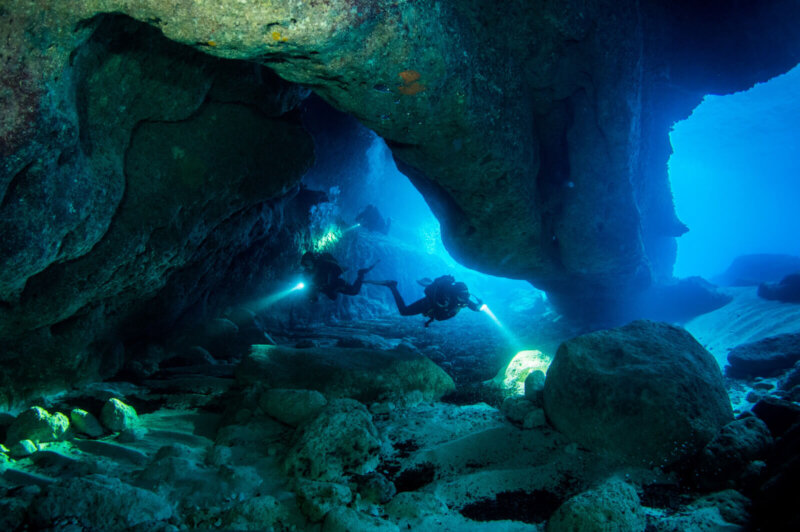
[340, 440]
[701, 519]
[512, 377]
[292, 407]
[102, 503]
[345, 519]
[778, 414]
[23, 448]
[611, 507]
[786, 290]
[104, 125]
[38, 425]
[363, 374]
[118, 416]
[534, 387]
[727, 456]
[754, 269]
[375, 488]
[257, 513]
[534, 418]
[85, 423]
[764, 358]
[316, 499]
[646, 392]
[517, 408]
[413, 504]
[791, 379]
[733, 506]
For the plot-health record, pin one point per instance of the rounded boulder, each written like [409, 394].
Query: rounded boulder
[647, 393]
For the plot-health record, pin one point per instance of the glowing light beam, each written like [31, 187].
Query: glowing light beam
[506, 333]
[271, 299]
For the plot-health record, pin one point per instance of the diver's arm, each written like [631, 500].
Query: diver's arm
[475, 305]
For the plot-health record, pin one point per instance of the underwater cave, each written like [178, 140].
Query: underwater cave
[399, 265]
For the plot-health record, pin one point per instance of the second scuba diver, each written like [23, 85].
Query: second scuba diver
[444, 297]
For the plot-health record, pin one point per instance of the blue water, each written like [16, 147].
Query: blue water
[735, 176]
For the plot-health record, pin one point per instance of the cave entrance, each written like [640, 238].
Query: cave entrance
[735, 175]
[354, 166]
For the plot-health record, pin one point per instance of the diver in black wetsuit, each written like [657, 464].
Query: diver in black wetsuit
[444, 297]
[324, 276]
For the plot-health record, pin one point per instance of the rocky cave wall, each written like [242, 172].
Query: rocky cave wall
[537, 133]
[154, 180]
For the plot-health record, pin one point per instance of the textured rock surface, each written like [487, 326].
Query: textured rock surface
[101, 502]
[646, 392]
[611, 507]
[38, 425]
[786, 290]
[345, 519]
[341, 440]
[365, 374]
[140, 175]
[292, 407]
[85, 423]
[316, 499]
[752, 270]
[117, 416]
[726, 457]
[764, 358]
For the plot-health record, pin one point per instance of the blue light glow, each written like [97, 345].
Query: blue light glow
[734, 176]
[268, 301]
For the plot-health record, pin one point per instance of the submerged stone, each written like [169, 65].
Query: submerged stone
[340, 440]
[23, 448]
[764, 358]
[367, 375]
[102, 503]
[258, 513]
[118, 416]
[343, 519]
[38, 425]
[85, 423]
[316, 499]
[647, 393]
[292, 407]
[512, 378]
[611, 507]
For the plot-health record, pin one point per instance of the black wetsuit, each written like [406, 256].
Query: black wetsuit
[326, 278]
[440, 301]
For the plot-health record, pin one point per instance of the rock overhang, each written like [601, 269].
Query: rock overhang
[537, 133]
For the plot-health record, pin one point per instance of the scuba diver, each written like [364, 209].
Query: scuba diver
[370, 218]
[324, 275]
[444, 297]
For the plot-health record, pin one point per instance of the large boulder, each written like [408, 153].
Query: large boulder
[764, 358]
[101, 503]
[610, 507]
[340, 441]
[786, 290]
[367, 375]
[725, 460]
[754, 269]
[647, 393]
[38, 425]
